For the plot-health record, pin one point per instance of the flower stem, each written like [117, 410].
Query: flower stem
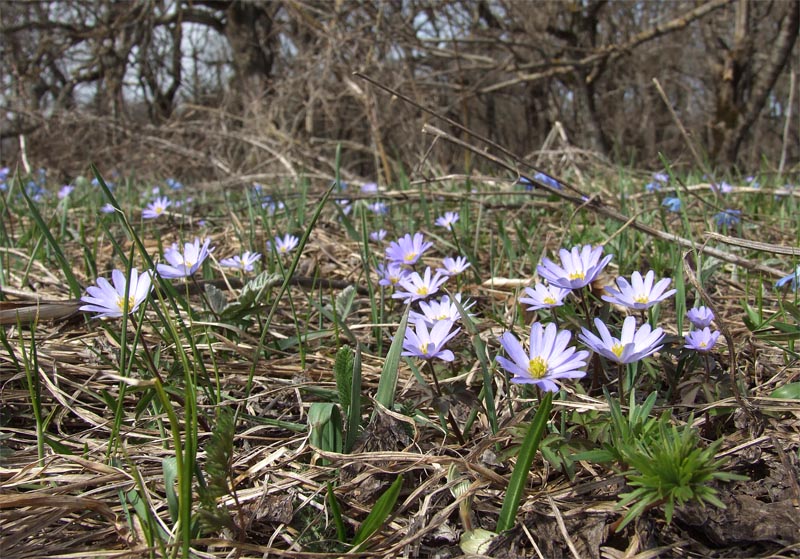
[450, 417]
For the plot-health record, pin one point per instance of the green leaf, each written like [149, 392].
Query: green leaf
[380, 512]
[325, 426]
[256, 289]
[519, 477]
[792, 309]
[596, 456]
[752, 319]
[789, 391]
[388, 381]
[344, 302]
[354, 413]
[216, 298]
[170, 468]
[343, 373]
[336, 514]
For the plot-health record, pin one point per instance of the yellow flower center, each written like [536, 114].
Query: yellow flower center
[410, 256]
[618, 349]
[641, 299]
[121, 303]
[537, 367]
[422, 290]
[159, 209]
[703, 344]
[577, 275]
[423, 348]
[550, 300]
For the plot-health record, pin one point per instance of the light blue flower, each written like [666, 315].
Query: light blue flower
[549, 357]
[672, 203]
[548, 180]
[701, 340]
[728, 218]
[789, 278]
[663, 178]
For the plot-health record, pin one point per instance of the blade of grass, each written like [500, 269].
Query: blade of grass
[336, 513]
[380, 512]
[519, 477]
[388, 382]
[74, 285]
[288, 277]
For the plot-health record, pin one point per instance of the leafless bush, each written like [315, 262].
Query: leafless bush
[210, 88]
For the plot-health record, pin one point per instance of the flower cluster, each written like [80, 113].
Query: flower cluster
[549, 357]
[701, 338]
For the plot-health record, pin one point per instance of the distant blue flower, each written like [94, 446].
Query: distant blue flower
[65, 191]
[672, 203]
[379, 208]
[345, 206]
[173, 184]
[653, 186]
[751, 180]
[790, 278]
[369, 188]
[447, 220]
[526, 183]
[4, 172]
[722, 188]
[378, 235]
[109, 184]
[34, 190]
[548, 180]
[272, 207]
[728, 218]
[663, 178]
[107, 208]
[244, 262]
